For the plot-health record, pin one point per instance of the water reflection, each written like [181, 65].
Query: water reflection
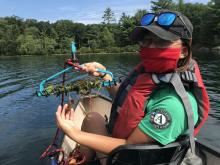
[210, 68]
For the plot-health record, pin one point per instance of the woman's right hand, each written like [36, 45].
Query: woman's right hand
[65, 118]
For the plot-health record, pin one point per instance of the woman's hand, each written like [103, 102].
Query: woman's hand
[64, 118]
[92, 67]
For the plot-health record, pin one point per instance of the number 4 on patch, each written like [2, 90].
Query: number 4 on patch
[160, 119]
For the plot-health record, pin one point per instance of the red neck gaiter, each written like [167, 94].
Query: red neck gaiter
[160, 60]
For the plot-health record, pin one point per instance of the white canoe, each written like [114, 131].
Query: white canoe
[101, 104]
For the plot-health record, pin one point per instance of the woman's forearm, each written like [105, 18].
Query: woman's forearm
[103, 144]
[113, 90]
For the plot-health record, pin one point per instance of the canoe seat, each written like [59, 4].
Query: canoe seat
[153, 154]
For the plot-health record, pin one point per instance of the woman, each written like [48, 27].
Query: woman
[165, 47]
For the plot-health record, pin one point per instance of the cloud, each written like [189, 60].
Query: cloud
[88, 17]
[88, 12]
[197, 1]
[66, 8]
[81, 17]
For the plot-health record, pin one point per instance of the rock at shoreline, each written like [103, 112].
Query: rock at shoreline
[203, 50]
[216, 50]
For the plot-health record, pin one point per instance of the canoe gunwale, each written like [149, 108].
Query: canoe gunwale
[207, 147]
[91, 96]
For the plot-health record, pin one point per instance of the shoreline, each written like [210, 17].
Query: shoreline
[79, 54]
[195, 49]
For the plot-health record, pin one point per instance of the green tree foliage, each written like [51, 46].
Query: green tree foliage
[3, 36]
[106, 38]
[11, 27]
[138, 15]
[18, 36]
[108, 16]
[213, 17]
[30, 22]
[162, 4]
[32, 31]
[197, 14]
[126, 25]
[90, 38]
[29, 45]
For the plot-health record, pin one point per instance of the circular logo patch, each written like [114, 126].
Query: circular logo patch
[160, 119]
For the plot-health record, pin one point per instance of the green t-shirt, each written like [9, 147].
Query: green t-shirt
[166, 118]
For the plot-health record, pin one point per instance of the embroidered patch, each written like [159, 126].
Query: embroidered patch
[160, 119]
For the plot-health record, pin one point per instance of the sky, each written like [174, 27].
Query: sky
[84, 11]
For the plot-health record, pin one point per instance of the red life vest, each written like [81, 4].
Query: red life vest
[128, 106]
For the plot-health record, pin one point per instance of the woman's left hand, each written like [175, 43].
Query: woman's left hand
[64, 118]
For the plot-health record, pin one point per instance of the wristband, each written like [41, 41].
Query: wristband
[102, 76]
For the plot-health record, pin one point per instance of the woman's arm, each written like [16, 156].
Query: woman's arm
[103, 144]
[100, 143]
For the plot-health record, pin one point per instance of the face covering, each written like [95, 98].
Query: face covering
[160, 60]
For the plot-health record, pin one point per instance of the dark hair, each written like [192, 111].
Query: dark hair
[182, 64]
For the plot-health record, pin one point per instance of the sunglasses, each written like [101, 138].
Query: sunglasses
[147, 40]
[165, 19]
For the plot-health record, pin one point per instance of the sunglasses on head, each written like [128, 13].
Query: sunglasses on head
[165, 19]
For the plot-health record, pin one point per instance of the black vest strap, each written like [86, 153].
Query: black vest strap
[121, 95]
[188, 76]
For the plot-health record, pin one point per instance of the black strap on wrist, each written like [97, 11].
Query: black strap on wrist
[102, 76]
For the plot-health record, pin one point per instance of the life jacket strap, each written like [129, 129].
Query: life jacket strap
[188, 76]
[175, 80]
[121, 95]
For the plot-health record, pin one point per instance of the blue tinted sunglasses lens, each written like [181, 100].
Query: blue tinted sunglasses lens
[147, 19]
[166, 19]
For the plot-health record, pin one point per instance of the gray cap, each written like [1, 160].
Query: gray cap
[182, 28]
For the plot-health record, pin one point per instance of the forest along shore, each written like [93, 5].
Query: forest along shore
[32, 37]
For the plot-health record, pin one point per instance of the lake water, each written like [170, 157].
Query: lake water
[27, 122]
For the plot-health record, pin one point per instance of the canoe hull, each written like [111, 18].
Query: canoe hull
[209, 154]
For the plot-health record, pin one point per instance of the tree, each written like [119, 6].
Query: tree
[3, 43]
[126, 25]
[32, 31]
[106, 38]
[48, 45]
[42, 37]
[65, 34]
[30, 22]
[64, 28]
[108, 16]
[91, 36]
[213, 22]
[29, 45]
[162, 4]
[180, 5]
[197, 15]
[138, 15]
